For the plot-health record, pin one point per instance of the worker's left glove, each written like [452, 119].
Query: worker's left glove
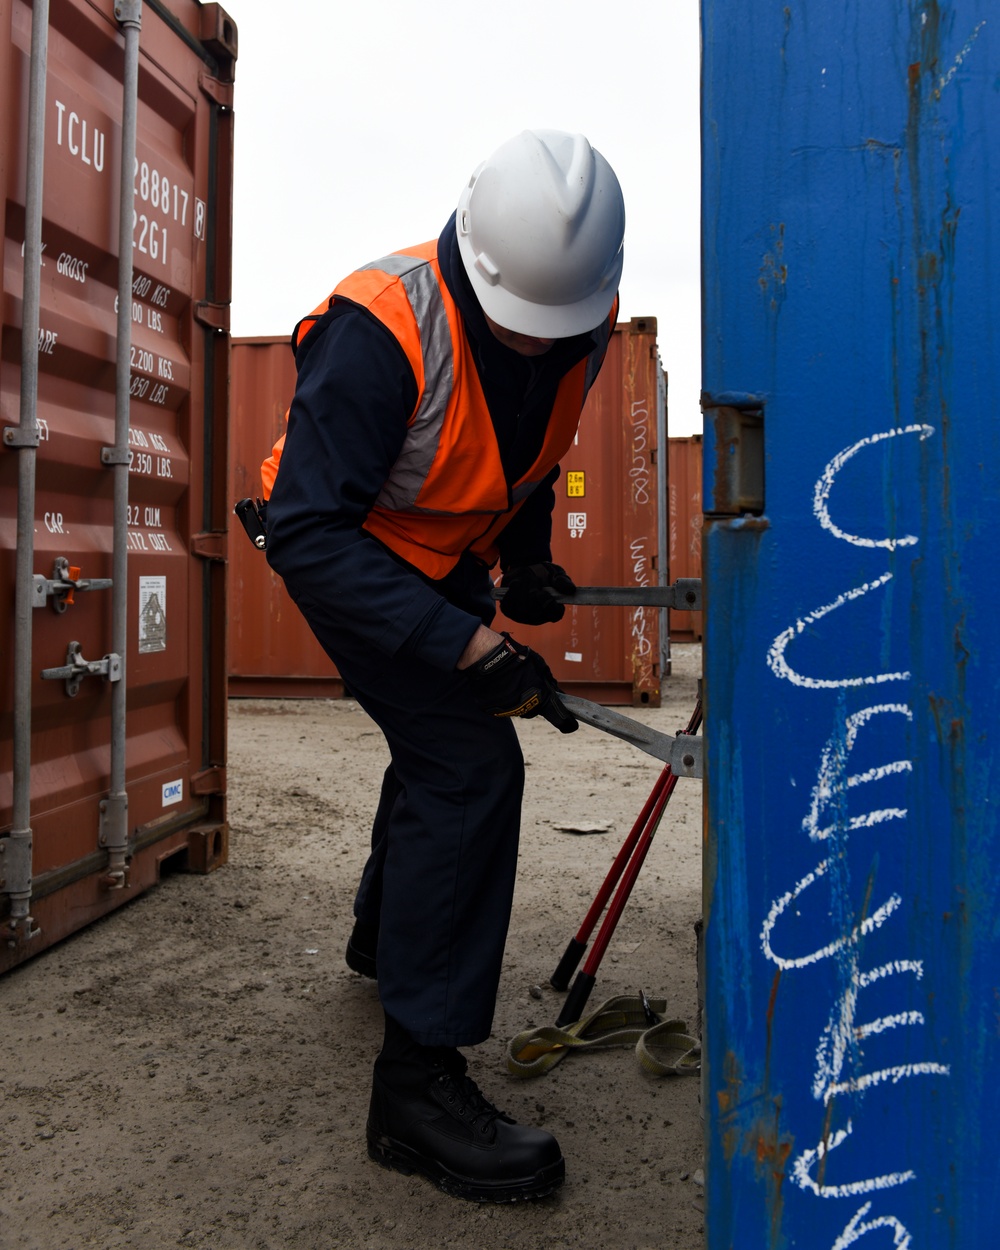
[513, 680]
[531, 590]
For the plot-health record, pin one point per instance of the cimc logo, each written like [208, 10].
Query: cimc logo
[173, 792]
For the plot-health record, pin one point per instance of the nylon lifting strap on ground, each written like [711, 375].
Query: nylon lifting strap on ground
[663, 1047]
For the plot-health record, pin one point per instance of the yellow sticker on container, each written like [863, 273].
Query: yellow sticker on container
[576, 484]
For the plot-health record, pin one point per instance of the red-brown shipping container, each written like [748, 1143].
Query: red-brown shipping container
[684, 505]
[272, 651]
[609, 527]
[118, 142]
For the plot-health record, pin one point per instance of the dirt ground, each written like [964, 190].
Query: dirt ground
[194, 1069]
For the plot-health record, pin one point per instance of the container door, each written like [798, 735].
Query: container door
[851, 371]
[272, 650]
[605, 532]
[610, 503]
[177, 508]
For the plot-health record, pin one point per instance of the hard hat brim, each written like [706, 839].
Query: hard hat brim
[549, 321]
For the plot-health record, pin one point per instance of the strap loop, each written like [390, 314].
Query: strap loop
[661, 1049]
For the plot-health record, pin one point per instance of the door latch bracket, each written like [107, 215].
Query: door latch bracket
[77, 668]
[63, 585]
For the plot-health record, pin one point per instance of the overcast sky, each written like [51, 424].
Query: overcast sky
[358, 124]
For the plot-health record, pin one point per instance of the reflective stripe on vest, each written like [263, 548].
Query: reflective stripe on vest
[424, 435]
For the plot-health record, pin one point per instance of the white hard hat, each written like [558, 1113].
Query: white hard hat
[540, 230]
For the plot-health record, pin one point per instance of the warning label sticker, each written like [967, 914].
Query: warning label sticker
[152, 614]
[576, 483]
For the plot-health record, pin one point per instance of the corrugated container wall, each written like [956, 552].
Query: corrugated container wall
[606, 532]
[610, 505]
[852, 578]
[686, 519]
[272, 651]
[113, 511]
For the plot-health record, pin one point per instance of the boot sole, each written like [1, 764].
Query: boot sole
[394, 1155]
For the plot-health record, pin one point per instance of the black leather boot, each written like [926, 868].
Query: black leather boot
[428, 1116]
[361, 948]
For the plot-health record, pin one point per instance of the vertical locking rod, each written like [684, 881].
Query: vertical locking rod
[25, 438]
[114, 819]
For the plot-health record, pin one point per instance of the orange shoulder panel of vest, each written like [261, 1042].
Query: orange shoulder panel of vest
[385, 298]
[424, 251]
[269, 469]
[310, 319]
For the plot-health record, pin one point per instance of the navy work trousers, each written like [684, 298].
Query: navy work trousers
[440, 878]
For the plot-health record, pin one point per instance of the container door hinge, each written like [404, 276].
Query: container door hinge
[734, 454]
[219, 35]
[77, 668]
[219, 92]
[213, 316]
[211, 545]
[63, 585]
[211, 780]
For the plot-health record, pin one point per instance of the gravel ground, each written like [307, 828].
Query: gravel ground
[194, 1069]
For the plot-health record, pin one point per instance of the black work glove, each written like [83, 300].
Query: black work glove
[529, 599]
[513, 680]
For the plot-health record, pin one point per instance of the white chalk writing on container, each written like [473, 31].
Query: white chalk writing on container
[640, 576]
[839, 1070]
[639, 468]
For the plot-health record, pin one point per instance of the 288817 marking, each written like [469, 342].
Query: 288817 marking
[156, 189]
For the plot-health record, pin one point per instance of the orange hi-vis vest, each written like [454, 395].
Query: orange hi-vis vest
[446, 492]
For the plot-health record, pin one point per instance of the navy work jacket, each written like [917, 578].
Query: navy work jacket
[348, 419]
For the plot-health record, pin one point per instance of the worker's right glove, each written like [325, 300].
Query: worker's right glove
[513, 680]
[530, 591]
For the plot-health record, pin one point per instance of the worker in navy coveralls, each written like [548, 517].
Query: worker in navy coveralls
[437, 390]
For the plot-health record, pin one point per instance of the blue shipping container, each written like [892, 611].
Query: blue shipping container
[851, 236]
